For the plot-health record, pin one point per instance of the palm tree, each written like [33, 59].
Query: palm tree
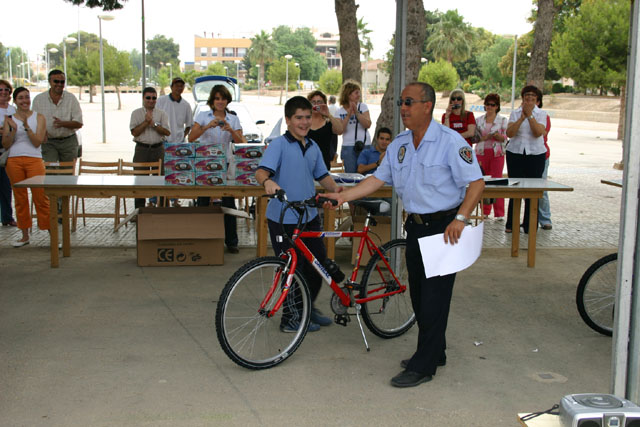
[363, 35]
[262, 50]
[451, 38]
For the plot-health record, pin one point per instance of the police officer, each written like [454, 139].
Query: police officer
[430, 167]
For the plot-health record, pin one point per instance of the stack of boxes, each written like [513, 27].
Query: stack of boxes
[247, 157]
[179, 163]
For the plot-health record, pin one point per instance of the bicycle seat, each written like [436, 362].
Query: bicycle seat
[373, 206]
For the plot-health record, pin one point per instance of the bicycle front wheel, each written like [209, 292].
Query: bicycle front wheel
[245, 331]
[596, 294]
[389, 316]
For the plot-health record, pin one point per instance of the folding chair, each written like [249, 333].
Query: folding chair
[96, 168]
[138, 169]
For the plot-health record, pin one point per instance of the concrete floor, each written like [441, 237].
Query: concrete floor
[102, 342]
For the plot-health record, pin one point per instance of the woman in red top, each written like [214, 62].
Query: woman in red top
[458, 118]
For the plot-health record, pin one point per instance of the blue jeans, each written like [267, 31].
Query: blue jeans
[544, 208]
[5, 197]
[349, 158]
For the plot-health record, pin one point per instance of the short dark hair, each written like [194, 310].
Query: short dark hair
[529, 89]
[148, 89]
[222, 91]
[317, 93]
[54, 72]
[294, 104]
[383, 130]
[495, 98]
[18, 91]
[428, 92]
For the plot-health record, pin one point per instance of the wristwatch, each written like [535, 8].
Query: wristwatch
[156, 124]
[530, 117]
[462, 218]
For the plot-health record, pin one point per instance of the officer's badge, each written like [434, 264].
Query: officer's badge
[401, 152]
[465, 153]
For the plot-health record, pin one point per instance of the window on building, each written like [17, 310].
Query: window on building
[242, 52]
[203, 51]
[227, 51]
[204, 65]
[214, 51]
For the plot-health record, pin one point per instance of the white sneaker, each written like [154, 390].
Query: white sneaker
[19, 244]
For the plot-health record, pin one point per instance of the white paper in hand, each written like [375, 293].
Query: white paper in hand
[440, 258]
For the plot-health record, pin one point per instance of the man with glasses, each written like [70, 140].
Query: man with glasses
[62, 112]
[149, 127]
[430, 167]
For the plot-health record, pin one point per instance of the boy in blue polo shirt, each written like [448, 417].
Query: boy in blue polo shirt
[294, 162]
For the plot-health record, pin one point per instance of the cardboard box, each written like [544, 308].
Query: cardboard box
[180, 178]
[180, 236]
[244, 166]
[211, 164]
[209, 150]
[183, 164]
[248, 178]
[248, 151]
[173, 150]
[211, 178]
[380, 234]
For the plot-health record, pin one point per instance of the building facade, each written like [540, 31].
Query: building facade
[209, 50]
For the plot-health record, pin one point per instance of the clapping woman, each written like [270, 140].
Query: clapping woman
[23, 136]
[458, 118]
[491, 134]
[355, 124]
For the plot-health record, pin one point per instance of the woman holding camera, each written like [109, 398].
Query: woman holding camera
[23, 135]
[355, 124]
[458, 118]
[491, 134]
[219, 125]
[324, 127]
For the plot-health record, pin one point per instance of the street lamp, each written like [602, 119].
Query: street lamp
[51, 50]
[69, 40]
[146, 67]
[104, 126]
[225, 70]
[286, 85]
[298, 81]
[513, 76]
[168, 64]
[237, 61]
[258, 67]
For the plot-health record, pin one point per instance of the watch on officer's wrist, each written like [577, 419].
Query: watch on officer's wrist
[462, 218]
[156, 124]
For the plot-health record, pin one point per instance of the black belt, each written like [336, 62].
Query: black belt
[149, 145]
[60, 139]
[435, 216]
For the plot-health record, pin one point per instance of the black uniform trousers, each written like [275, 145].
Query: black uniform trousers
[431, 298]
[293, 304]
[148, 153]
[523, 166]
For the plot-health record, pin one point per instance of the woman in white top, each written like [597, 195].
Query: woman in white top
[6, 212]
[219, 125]
[23, 136]
[355, 124]
[491, 136]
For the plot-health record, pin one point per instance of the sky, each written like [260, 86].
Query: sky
[51, 20]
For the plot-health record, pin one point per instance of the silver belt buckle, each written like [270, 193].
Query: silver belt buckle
[417, 218]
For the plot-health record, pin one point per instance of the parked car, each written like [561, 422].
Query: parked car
[201, 90]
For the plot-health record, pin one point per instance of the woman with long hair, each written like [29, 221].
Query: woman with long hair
[355, 124]
[458, 118]
[324, 127]
[491, 134]
[23, 136]
[219, 125]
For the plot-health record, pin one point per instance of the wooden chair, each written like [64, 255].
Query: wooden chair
[96, 168]
[137, 169]
[59, 168]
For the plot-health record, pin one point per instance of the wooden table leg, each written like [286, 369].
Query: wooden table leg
[261, 223]
[515, 227]
[330, 225]
[533, 230]
[53, 230]
[66, 229]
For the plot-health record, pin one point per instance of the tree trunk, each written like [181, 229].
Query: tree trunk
[80, 93]
[118, 92]
[91, 89]
[541, 43]
[623, 111]
[416, 33]
[349, 41]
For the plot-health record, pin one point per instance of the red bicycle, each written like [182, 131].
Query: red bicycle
[268, 290]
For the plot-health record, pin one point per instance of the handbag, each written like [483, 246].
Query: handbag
[3, 158]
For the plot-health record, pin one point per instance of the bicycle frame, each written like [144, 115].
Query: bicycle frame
[292, 261]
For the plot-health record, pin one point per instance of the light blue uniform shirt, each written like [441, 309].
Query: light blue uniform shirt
[367, 156]
[295, 169]
[434, 177]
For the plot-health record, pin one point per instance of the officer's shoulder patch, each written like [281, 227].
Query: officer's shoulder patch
[465, 153]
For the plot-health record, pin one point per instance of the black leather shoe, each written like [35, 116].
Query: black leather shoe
[408, 378]
[405, 363]
[233, 249]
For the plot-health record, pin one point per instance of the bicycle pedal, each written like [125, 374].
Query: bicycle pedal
[342, 319]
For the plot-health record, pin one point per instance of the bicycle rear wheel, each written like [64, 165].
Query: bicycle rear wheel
[246, 334]
[596, 294]
[393, 315]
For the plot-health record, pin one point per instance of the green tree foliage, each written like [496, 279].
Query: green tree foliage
[593, 49]
[300, 44]
[262, 50]
[440, 74]
[525, 44]
[451, 38]
[277, 74]
[489, 60]
[162, 49]
[482, 40]
[330, 82]
[365, 41]
[104, 4]
[79, 72]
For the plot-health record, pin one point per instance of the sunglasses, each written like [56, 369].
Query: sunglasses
[408, 102]
[151, 97]
[5, 89]
[58, 82]
[456, 98]
[489, 104]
